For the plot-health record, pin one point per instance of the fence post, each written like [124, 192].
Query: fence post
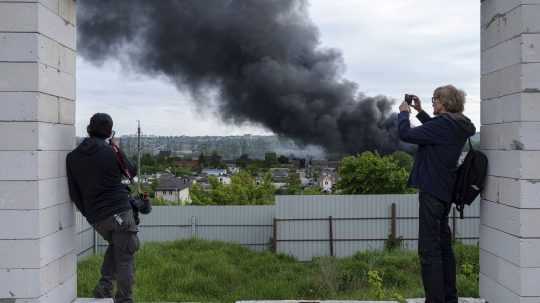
[331, 236]
[454, 224]
[393, 223]
[274, 236]
[95, 241]
[193, 226]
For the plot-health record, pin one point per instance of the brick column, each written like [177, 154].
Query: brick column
[510, 211]
[37, 112]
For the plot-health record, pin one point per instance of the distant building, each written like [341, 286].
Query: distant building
[224, 180]
[173, 189]
[327, 181]
[216, 172]
[165, 153]
[280, 177]
[187, 163]
[232, 168]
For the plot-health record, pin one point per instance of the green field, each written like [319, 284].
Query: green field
[204, 271]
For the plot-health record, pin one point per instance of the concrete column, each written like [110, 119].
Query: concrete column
[510, 211]
[37, 113]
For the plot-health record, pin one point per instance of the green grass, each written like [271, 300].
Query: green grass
[196, 270]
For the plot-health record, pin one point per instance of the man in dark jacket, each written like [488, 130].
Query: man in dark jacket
[440, 142]
[95, 186]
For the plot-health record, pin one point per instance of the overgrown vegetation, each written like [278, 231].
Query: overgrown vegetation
[371, 173]
[195, 270]
[243, 190]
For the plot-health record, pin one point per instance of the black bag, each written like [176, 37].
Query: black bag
[471, 176]
[140, 204]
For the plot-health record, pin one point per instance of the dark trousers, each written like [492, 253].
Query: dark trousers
[118, 263]
[435, 251]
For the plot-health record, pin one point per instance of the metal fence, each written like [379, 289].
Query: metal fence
[311, 226]
[250, 226]
[86, 237]
[301, 226]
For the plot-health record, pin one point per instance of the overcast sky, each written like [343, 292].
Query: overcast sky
[390, 48]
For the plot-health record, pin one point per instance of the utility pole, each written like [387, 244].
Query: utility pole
[139, 155]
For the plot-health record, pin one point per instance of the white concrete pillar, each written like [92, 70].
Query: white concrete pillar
[510, 211]
[37, 113]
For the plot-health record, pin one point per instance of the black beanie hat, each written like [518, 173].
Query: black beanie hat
[100, 126]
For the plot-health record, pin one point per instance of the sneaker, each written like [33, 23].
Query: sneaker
[101, 292]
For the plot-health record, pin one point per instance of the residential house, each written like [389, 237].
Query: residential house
[327, 180]
[280, 177]
[216, 172]
[174, 189]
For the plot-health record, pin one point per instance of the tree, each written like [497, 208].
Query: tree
[294, 185]
[283, 159]
[147, 159]
[270, 159]
[404, 160]
[243, 161]
[371, 173]
[215, 160]
[202, 160]
[243, 190]
[181, 171]
[312, 191]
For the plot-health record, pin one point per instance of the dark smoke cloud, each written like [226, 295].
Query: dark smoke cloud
[262, 57]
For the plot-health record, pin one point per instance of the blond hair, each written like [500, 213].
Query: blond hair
[451, 98]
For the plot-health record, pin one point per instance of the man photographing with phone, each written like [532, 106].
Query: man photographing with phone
[95, 186]
[440, 142]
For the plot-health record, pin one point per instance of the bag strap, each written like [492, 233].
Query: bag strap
[470, 145]
[461, 210]
[122, 163]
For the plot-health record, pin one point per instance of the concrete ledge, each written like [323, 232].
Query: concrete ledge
[314, 301]
[89, 300]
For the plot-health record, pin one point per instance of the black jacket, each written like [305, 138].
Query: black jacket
[95, 180]
[440, 143]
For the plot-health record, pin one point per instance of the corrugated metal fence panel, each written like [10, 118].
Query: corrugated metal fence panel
[85, 237]
[250, 226]
[359, 223]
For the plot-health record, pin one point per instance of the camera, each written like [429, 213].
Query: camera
[140, 204]
[409, 98]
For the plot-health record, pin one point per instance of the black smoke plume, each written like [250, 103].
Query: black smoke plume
[263, 57]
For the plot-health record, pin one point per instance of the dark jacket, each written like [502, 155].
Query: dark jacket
[95, 180]
[440, 143]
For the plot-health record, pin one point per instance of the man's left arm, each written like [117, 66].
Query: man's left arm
[74, 190]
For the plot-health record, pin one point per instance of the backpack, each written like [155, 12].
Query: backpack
[470, 179]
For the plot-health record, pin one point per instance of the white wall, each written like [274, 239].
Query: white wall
[510, 211]
[37, 99]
